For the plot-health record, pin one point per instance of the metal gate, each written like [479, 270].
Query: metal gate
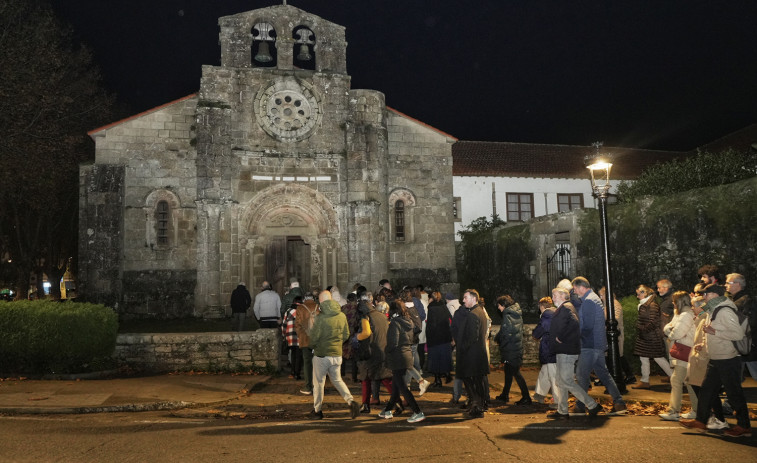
[559, 266]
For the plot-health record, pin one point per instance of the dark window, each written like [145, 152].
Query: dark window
[520, 207]
[399, 221]
[568, 202]
[163, 214]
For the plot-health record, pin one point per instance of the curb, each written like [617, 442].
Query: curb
[124, 408]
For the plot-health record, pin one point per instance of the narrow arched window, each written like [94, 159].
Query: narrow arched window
[399, 220]
[162, 219]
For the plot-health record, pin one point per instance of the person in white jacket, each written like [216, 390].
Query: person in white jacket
[680, 330]
[721, 329]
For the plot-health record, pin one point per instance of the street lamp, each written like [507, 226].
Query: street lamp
[600, 185]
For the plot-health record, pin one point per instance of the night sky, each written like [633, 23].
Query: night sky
[658, 74]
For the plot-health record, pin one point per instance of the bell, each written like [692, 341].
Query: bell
[304, 54]
[263, 55]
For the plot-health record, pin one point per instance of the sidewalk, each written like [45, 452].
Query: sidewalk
[256, 394]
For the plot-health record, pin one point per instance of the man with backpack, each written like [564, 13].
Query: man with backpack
[304, 319]
[735, 285]
[721, 328]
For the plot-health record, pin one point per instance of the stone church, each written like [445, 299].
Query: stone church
[276, 169]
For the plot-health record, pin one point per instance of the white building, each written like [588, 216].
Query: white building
[519, 181]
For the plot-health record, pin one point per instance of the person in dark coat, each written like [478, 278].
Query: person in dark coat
[439, 339]
[472, 359]
[372, 330]
[348, 356]
[240, 303]
[735, 285]
[548, 374]
[457, 322]
[649, 342]
[399, 357]
[510, 340]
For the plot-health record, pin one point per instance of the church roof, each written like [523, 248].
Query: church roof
[496, 159]
[92, 132]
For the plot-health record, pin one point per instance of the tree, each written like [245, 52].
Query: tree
[703, 170]
[50, 95]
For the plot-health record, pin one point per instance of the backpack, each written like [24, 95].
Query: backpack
[311, 319]
[743, 345]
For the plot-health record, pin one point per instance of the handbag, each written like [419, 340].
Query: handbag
[680, 351]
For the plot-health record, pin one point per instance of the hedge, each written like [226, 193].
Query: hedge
[42, 337]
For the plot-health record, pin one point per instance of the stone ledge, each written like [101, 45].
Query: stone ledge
[220, 351]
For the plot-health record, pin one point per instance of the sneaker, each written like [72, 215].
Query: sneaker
[423, 385]
[618, 408]
[715, 423]
[738, 431]
[576, 411]
[557, 416]
[671, 416]
[354, 409]
[365, 408]
[539, 399]
[315, 415]
[595, 411]
[693, 424]
[306, 392]
[690, 415]
[416, 417]
[386, 414]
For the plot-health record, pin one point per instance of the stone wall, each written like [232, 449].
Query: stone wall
[530, 346]
[163, 352]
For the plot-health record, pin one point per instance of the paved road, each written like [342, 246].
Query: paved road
[528, 437]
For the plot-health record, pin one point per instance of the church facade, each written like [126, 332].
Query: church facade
[275, 170]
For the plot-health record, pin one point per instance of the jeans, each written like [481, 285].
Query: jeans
[323, 366]
[416, 358]
[566, 384]
[307, 367]
[594, 359]
[726, 373]
[548, 379]
[676, 388]
[237, 321]
[457, 389]
[752, 366]
[646, 367]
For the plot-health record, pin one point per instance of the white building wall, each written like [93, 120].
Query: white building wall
[478, 198]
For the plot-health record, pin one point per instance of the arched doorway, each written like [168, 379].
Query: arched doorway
[291, 232]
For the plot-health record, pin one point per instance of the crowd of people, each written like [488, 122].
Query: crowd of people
[386, 339]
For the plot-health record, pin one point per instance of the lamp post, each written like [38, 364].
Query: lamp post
[600, 185]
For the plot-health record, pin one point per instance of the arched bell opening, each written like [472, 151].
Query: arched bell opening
[264, 45]
[304, 48]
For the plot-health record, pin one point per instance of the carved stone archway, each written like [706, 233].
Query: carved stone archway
[290, 231]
